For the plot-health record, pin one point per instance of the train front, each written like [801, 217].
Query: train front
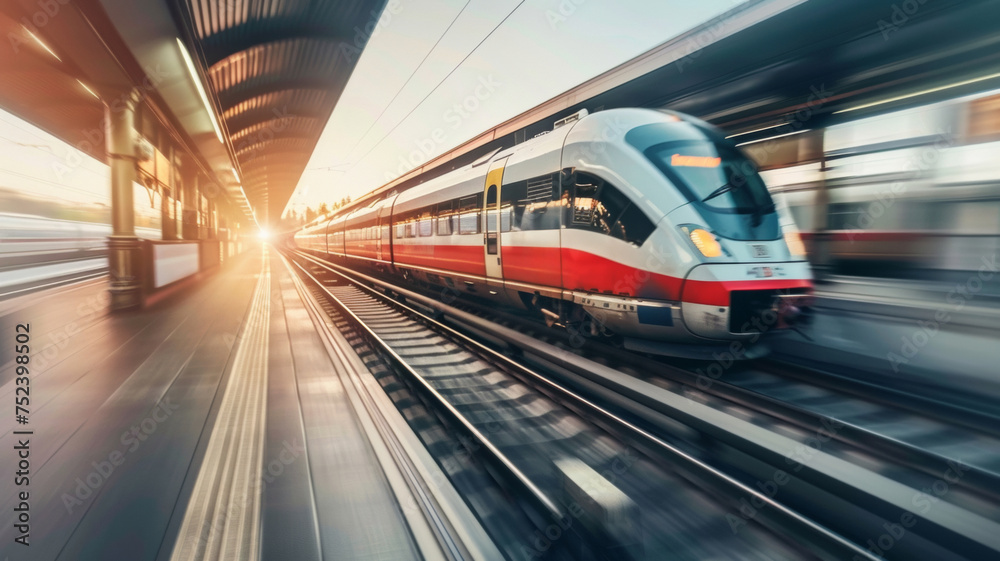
[723, 250]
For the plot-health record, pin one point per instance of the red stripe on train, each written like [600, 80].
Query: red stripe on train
[593, 273]
[583, 271]
[533, 265]
[464, 259]
[716, 293]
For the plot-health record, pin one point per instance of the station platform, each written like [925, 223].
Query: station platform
[212, 425]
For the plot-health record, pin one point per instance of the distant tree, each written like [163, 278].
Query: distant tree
[323, 209]
[292, 220]
[310, 214]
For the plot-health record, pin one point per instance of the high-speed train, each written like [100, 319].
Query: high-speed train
[648, 226]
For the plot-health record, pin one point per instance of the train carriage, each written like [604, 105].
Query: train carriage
[643, 225]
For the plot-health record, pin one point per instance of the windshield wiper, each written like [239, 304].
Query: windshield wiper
[758, 212]
[720, 191]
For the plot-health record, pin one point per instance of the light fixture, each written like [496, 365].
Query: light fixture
[705, 242]
[90, 91]
[201, 90]
[43, 45]
[773, 137]
[757, 130]
[253, 212]
[922, 92]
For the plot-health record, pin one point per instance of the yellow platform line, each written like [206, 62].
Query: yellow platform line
[222, 520]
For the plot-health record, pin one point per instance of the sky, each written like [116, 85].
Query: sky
[436, 73]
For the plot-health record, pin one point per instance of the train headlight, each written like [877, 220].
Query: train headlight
[705, 242]
[795, 246]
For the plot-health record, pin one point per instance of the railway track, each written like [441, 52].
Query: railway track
[917, 431]
[529, 425]
[857, 440]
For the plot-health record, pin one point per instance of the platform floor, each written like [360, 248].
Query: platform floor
[138, 417]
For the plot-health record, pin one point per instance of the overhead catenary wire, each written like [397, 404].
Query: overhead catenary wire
[409, 78]
[442, 81]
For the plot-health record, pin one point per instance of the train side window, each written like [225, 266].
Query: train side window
[409, 221]
[584, 201]
[424, 225]
[491, 209]
[444, 213]
[525, 204]
[633, 226]
[600, 207]
[597, 205]
[512, 197]
[540, 204]
[469, 215]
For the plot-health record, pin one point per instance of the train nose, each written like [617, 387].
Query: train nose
[726, 300]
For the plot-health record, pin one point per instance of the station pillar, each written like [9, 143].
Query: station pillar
[191, 199]
[124, 255]
[213, 220]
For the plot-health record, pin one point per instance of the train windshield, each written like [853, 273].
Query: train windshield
[722, 183]
[714, 175]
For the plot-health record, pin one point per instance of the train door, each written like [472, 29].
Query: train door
[491, 223]
[380, 216]
[385, 227]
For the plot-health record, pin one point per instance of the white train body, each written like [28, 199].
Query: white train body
[645, 224]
